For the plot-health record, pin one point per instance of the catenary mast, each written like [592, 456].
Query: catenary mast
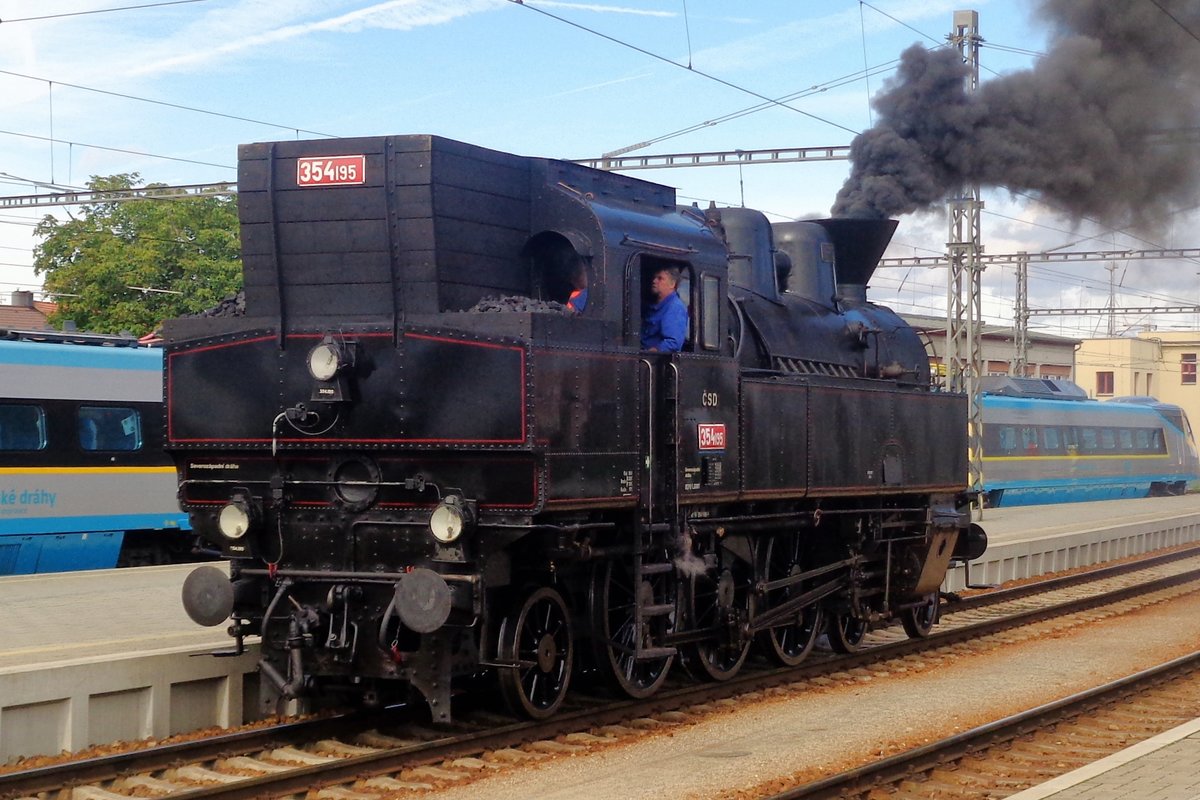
[964, 304]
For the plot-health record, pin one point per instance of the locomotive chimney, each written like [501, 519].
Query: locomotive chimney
[858, 245]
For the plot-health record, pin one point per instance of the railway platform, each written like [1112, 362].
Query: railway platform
[105, 655]
[1025, 541]
[1165, 767]
[93, 657]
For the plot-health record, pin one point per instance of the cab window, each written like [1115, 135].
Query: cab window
[649, 266]
[710, 304]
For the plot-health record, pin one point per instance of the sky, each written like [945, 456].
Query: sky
[169, 90]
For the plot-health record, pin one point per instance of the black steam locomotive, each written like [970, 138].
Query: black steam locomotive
[424, 466]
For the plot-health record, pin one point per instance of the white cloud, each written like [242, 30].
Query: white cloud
[602, 9]
[401, 15]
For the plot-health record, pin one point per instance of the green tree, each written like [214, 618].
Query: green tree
[186, 246]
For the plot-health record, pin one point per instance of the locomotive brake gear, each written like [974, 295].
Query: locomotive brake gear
[343, 633]
[423, 600]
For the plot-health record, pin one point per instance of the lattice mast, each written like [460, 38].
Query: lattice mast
[964, 305]
[1020, 362]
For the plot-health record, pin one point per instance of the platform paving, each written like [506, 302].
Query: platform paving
[72, 615]
[1165, 767]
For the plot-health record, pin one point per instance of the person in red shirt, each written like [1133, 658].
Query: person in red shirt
[577, 302]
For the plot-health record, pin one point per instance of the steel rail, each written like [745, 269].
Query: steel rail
[927, 757]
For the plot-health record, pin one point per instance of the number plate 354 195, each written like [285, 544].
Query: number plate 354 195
[331, 171]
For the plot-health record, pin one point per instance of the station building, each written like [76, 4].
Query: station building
[24, 313]
[1160, 364]
[1049, 356]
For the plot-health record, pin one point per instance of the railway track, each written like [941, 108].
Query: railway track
[387, 752]
[1004, 757]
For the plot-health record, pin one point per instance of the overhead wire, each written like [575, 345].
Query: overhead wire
[687, 28]
[1176, 20]
[116, 150]
[165, 104]
[102, 10]
[862, 24]
[1017, 50]
[689, 68]
[833, 83]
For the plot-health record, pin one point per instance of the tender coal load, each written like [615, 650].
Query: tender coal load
[518, 303]
[232, 306]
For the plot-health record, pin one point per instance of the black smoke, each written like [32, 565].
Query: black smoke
[1103, 127]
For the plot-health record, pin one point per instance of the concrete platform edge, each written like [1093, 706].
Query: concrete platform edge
[71, 705]
[1046, 552]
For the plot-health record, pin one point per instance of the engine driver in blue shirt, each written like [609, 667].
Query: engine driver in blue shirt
[665, 320]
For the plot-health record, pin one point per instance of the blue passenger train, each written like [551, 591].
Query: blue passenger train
[84, 482]
[1046, 442]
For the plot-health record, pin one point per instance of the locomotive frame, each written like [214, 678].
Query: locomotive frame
[417, 482]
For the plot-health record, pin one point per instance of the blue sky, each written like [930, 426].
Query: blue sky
[494, 73]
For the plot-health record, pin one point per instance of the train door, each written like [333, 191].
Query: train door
[691, 421]
[658, 384]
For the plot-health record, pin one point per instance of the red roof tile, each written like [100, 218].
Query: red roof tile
[22, 318]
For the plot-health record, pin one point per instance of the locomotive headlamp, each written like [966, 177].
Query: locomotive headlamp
[234, 520]
[324, 360]
[449, 519]
[238, 516]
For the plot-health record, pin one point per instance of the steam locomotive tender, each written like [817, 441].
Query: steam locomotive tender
[418, 482]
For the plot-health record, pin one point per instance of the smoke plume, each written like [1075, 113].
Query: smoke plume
[1104, 126]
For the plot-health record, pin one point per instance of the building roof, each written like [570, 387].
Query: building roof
[22, 318]
[938, 324]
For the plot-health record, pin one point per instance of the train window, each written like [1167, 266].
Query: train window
[1141, 439]
[1157, 442]
[685, 286]
[1088, 440]
[22, 427]
[558, 272]
[1125, 438]
[106, 428]
[710, 303]
[1029, 440]
[1108, 439]
[1007, 439]
[1070, 437]
[1051, 440]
